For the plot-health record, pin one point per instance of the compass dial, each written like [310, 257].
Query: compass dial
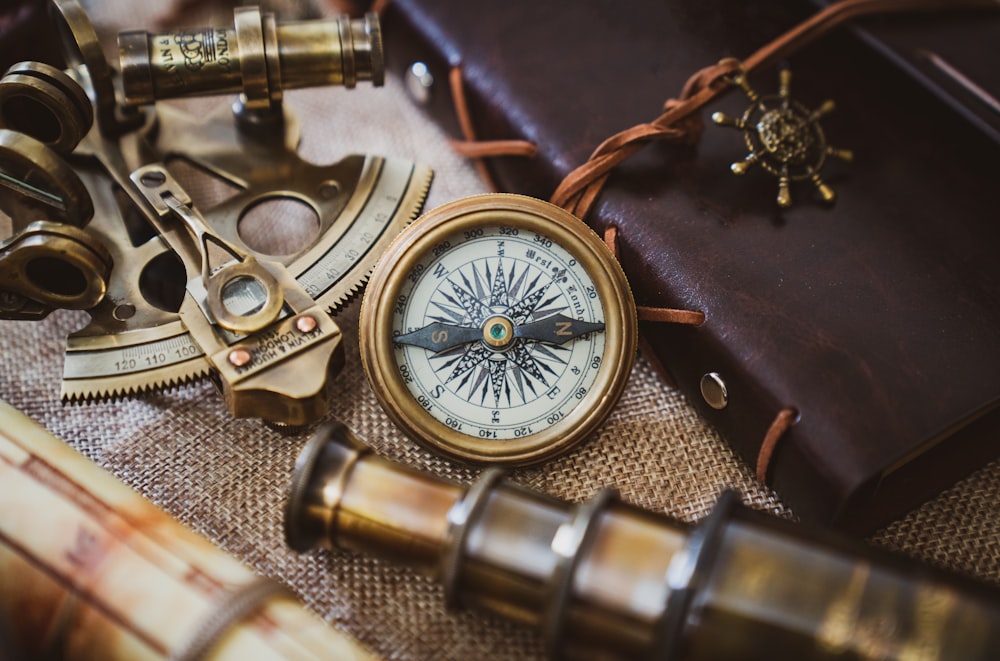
[498, 328]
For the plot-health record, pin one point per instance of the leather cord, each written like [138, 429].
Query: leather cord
[670, 315]
[479, 149]
[679, 122]
[782, 422]
[578, 191]
[648, 313]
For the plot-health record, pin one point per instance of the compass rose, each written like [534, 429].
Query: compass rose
[783, 137]
[493, 328]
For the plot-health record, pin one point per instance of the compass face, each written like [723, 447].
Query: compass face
[500, 332]
[504, 334]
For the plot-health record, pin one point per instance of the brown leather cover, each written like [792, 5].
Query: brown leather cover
[956, 60]
[877, 319]
[26, 34]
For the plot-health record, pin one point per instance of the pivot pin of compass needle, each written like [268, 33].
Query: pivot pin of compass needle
[498, 332]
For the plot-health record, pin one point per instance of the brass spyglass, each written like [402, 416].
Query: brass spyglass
[607, 580]
[257, 57]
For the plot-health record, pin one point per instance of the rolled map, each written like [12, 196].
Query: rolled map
[91, 570]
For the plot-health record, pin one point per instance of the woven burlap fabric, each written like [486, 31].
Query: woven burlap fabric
[228, 478]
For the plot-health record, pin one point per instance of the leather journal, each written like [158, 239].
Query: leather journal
[874, 321]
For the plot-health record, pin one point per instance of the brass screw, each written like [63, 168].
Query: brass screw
[714, 391]
[306, 323]
[239, 357]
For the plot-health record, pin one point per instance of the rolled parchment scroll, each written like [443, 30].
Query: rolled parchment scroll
[91, 570]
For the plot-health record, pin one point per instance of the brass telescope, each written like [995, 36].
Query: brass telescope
[607, 580]
[257, 57]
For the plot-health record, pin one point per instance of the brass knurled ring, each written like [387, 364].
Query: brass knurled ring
[253, 59]
[577, 532]
[348, 61]
[461, 516]
[272, 59]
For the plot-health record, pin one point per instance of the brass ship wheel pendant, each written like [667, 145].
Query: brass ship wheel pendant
[498, 329]
[784, 138]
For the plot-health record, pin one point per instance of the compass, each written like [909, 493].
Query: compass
[498, 329]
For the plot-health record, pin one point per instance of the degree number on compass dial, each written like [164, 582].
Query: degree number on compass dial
[498, 328]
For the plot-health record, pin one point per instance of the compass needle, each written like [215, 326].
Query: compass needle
[439, 337]
[557, 329]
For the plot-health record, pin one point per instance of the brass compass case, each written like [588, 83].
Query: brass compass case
[498, 329]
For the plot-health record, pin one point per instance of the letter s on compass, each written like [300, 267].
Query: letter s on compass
[496, 349]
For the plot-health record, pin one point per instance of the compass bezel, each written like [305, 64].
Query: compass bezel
[528, 214]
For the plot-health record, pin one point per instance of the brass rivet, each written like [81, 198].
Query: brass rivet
[306, 324]
[239, 357]
[123, 312]
[713, 390]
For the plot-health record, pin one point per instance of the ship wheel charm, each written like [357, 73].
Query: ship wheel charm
[783, 137]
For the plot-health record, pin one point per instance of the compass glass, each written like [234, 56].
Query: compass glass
[498, 333]
[498, 328]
